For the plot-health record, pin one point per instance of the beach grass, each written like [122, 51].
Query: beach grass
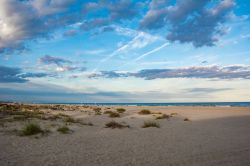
[114, 124]
[114, 115]
[108, 112]
[120, 110]
[173, 114]
[163, 116]
[150, 124]
[144, 112]
[69, 120]
[31, 129]
[63, 130]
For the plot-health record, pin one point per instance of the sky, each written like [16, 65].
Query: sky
[71, 51]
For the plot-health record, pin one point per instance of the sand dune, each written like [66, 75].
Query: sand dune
[211, 136]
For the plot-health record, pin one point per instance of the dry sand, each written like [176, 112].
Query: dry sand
[213, 136]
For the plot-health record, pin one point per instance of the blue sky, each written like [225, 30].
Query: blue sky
[124, 50]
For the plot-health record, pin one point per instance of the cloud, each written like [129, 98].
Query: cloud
[8, 74]
[33, 75]
[31, 92]
[31, 20]
[57, 64]
[151, 52]
[206, 90]
[189, 21]
[203, 72]
[47, 59]
[118, 11]
[15, 75]
[139, 40]
[108, 74]
[70, 33]
[48, 7]
[22, 21]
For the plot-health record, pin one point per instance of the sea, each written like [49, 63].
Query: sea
[212, 104]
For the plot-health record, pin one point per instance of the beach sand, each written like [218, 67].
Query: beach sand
[210, 136]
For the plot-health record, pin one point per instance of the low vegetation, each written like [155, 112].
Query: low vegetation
[31, 129]
[63, 130]
[114, 125]
[150, 124]
[70, 120]
[120, 110]
[173, 114]
[144, 112]
[85, 123]
[108, 112]
[186, 119]
[163, 116]
[97, 111]
[114, 115]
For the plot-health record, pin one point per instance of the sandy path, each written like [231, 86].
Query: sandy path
[214, 136]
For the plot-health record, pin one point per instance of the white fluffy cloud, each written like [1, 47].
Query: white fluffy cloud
[28, 20]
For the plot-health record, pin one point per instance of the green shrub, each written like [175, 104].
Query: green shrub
[120, 110]
[150, 124]
[114, 124]
[163, 116]
[70, 120]
[63, 130]
[173, 114]
[98, 113]
[108, 112]
[31, 129]
[144, 112]
[114, 115]
[97, 109]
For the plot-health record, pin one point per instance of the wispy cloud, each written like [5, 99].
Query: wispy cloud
[151, 52]
[33, 92]
[91, 52]
[16, 75]
[140, 40]
[58, 64]
[201, 72]
[47, 59]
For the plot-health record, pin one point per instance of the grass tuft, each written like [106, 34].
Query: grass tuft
[63, 130]
[144, 112]
[150, 124]
[97, 111]
[31, 129]
[173, 114]
[114, 115]
[114, 125]
[108, 112]
[163, 116]
[69, 120]
[120, 110]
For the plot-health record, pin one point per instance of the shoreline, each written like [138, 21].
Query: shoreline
[187, 104]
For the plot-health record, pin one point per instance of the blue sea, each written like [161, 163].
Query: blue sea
[213, 104]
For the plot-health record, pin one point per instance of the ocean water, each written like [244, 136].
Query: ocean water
[215, 104]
